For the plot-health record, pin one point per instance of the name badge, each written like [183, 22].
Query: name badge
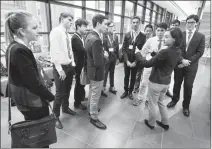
[111, 49]
[130, 46]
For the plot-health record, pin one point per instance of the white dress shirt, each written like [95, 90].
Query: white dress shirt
[187, 34]
[152, 45]
[58, 48]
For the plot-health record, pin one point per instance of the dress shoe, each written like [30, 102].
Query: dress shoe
[103, 94]
[165, 127]
[148, 125]
[171, 104]
[98, 124]
[90, 114]
[69, 111]
[112, 90]
[186, 112]
[169, 94]
[124, 95]
[58, 124]
[80, 106]
[131, 96]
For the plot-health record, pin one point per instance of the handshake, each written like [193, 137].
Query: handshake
[184, 63]
[129, 64]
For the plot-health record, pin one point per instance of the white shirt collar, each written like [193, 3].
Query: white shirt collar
[63, 28]
[191, 31]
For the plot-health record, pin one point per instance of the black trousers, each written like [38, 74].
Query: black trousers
[63, 88]
[110, 67]
[35, 114]
[130, 74]
[79, 90]
[188, 75]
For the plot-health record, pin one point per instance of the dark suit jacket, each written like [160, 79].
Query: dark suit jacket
[195, 49]
[115, 45]
[163, 64]
[24, 73]
[129, 54]
[79, 52]
[95, 57]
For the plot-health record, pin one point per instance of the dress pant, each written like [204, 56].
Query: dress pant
[156, 94]
[130, 74]
[142, 94]
[79, 90]
[138, 79]
[63, 88]
[187, 74]
[93, 98]
[110, 67]
[35, 114]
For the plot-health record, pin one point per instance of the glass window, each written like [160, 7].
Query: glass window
[140, 11]
[89, 17]
[159, 18]
[141, 2]
[56, 10]
[117, 23]
[118, 7]
[147, 16]
[42, 45]
[78, 3]
[127, 25]
[129, 10]
[155, 7]
[160, 10]
[148, 4]
[153, 17]
[118, 37]
[99, 5]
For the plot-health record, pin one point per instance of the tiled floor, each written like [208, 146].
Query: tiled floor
[125, 126]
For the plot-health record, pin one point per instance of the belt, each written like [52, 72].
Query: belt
[70, 64]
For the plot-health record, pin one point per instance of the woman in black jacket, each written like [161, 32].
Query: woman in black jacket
[20, 30]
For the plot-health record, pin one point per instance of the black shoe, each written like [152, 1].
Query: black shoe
[166, 127]
[124, 95]
[169, 94]
[69, 111]
[147, 123]
[90, 114]
[80, 106]
[98, 124]
[58, 124]
[186, 112]
[112, 90]
[103, 94]
[171, 104]
[131, 96]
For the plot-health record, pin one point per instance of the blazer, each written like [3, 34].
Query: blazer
[113, 56]
[79, 52]
[163, 64]
[129, 54]
[95, 57]
[24, 73]
[195, 49]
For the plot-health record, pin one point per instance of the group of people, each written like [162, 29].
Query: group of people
[149, 62]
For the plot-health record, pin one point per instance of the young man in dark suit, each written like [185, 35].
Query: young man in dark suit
[79, 57]
[96, 66]
[111, 45]
[192, 49]
[132, 39]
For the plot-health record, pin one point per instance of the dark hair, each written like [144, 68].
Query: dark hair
[80, 22]
[109, 23]
[148, 26]
[177, 34]
[14, 21]
[162, 25]
[98, 18]
[193, 16]
[175, 21]
[65, 15]
[136, 17]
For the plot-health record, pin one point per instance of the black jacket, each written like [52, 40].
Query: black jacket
[163, 64]
[95, 57]
[129, 54]
[24, 73]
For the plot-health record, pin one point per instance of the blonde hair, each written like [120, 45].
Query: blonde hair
[14, 21]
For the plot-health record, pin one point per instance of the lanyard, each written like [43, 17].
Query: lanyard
[133, 36]
[111, 42]
[80, 38]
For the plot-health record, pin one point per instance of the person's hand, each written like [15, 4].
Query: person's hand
[73, 64]
[144, 52]
[181, 66]
[133, 64]
[186, 62]
[106, 54]
[62, 75]
[128, 64]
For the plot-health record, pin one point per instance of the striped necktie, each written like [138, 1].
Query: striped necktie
[68, 45]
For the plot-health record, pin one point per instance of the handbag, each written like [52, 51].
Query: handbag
[31, 133]
[84, 80]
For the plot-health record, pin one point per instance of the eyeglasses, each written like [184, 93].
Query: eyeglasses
[191, 23]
